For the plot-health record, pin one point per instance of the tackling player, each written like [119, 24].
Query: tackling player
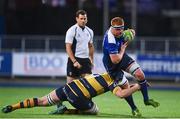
[79, 94]
[116, 60]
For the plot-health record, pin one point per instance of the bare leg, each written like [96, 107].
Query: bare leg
[137, 72]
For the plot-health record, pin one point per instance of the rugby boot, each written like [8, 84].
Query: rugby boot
[152, 103]
[59, 110]
[7, 109]
[136, 113]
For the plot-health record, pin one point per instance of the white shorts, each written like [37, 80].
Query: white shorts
[124, 81]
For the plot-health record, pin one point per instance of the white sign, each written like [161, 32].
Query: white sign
[98, 64]
[47, 64]
[39, 64]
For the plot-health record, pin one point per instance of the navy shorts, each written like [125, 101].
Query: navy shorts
[125, 62]
[80, 103]
[116, 70]
[75, 72]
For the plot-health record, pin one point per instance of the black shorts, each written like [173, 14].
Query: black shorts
[125, 62]
[75, 72]
[80, 103]
[116, 70]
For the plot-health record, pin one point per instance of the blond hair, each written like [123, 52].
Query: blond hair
[117, 22]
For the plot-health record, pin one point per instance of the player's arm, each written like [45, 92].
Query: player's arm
[70, 34]
[70, 52]
[91, 52]
[91, 48]
[71, 55]
[122, 93]
[116, 58]
[69, 40]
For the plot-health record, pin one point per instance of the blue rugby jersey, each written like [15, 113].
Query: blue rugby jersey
[111, 45]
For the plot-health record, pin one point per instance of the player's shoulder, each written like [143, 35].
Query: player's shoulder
[89, 29]
[110, 37]
[72, 28]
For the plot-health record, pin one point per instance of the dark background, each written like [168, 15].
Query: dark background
[54, 17]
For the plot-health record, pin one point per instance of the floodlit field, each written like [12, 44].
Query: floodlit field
[110, 106]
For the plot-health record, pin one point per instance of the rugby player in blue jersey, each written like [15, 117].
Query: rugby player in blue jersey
[116, 60]
[78, 93]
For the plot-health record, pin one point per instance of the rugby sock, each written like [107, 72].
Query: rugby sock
[28, 103]
[130, 101]
[144, 89]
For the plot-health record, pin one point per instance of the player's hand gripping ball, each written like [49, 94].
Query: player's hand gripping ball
[129, 35]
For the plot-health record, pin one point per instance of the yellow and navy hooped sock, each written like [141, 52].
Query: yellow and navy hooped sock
[28, 103]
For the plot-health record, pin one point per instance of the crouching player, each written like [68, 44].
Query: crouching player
[79, 94]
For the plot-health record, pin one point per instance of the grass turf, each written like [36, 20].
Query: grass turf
[109, 105]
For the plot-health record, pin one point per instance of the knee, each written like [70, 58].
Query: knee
[46, 101]
[43, 102]
[139, 74]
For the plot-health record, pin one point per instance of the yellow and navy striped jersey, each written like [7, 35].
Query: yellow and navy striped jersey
[92, 85]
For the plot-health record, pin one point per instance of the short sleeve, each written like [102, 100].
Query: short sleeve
[111, 44]
[112, 48]
[91, 33]
[70, 34]
[92, 36]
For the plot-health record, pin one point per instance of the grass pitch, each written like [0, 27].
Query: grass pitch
[109, 105]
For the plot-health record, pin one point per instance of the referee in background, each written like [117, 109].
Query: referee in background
[80, 50]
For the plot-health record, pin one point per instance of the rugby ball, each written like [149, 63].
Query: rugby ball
[129, 35]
